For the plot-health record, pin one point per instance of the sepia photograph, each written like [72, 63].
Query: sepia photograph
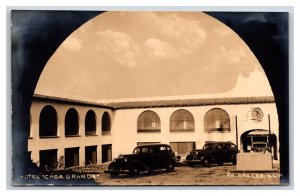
[149, 98]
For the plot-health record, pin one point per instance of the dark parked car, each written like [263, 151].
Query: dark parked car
[146, 158]
[213, 153]
[260, 147]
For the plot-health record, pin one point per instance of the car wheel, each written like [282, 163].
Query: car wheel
[191, 164]
[114, 175]
[111, 172]
[170, 166]
[151, 171]
[205, 162]
[134, 171]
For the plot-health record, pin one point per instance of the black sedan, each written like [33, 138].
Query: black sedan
[146, 158]
[213, 153]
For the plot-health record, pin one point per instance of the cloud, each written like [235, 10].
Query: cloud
[155, 54]
[123, 48]
[256, 84]
[230, 56]
[174, 37]
[232, 60]
[72, 43]
[160, 48]
[128, 52]
[175, 27]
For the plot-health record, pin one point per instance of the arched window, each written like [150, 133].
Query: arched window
[182, 120]
[71, 123]
[216, 120]
[90, 123]
[148, 121]
[48, 122]
[105, 123]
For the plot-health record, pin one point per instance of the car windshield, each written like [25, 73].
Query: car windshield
[261, 145]
[149, 149]
[136, 151]
[209, 146]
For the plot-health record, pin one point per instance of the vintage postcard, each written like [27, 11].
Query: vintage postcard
[149, 98]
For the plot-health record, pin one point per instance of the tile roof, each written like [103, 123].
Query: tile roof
[192, 102]
[50, 98]
[163, 103]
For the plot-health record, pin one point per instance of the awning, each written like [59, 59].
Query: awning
[259, 132]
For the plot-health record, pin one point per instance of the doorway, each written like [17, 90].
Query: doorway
[71, 157]
[90, 155]
[106, 153]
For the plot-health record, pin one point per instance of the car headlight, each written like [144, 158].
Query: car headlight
[121, 157]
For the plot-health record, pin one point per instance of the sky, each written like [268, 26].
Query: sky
[136, 55]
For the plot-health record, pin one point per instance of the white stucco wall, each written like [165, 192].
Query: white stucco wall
[35, 143]
[124, 135]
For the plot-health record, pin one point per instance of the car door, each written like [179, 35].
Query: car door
[227, 152]
[219, 153]
[158, 154]
[232, 151]
[144, 156]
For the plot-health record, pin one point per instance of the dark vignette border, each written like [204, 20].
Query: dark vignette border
[268, 39]
[35, 35]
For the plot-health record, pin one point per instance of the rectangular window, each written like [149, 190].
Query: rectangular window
[106, 153]
[177, 126]
[145, 150]
[90, 155]
[182, 148]
[72, 157]
[48, 159]
[148, 126]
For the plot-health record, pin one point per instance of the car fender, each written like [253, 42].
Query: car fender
[233, 158]
[113, 165]
[139, 164]
[207, 156]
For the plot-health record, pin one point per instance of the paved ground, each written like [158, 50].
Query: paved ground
[184, 175]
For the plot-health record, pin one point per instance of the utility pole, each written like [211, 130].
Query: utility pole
[236, 133]
[269, 138]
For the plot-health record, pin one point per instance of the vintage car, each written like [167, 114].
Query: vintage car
[260, 147]
[213, 153]
[145, 158]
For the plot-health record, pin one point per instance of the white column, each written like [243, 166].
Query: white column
[61, 152]
[200, 136]
[99, 154]
[82, 155]
[81, 121]
[35, 116]
[61, 113]
[35, 156]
